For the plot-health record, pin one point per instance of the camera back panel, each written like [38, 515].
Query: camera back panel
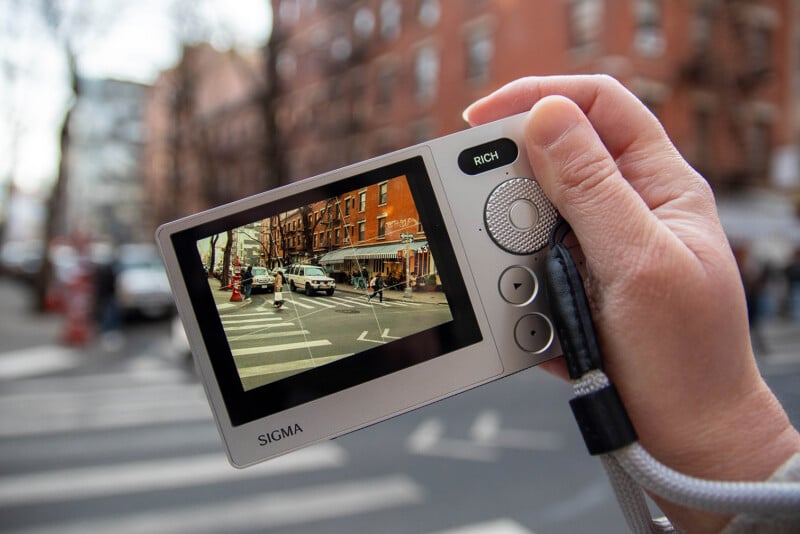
[463, 213]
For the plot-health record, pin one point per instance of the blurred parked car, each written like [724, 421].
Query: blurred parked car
[22, 258]
[142, 287]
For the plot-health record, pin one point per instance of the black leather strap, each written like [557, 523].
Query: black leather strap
[570, 308]
[600, 415]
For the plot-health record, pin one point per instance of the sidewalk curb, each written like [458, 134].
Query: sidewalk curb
[222, 296]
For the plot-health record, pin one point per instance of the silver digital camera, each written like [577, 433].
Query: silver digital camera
[458, 229]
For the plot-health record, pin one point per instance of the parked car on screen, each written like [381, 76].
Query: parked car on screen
[263, 280]
[310, 278]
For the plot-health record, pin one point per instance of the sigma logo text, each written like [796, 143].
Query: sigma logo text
[278, 434]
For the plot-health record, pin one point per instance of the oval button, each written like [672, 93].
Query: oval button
[518, 285]
[534, 333]
[488, 156]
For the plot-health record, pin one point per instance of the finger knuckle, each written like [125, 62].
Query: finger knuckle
[584, 175]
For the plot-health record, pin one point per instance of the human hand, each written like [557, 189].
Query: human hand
[666, 295]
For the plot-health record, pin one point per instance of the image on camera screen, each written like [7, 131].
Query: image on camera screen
[309, 284]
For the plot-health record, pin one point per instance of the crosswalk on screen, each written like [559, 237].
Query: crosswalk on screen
[306, 285]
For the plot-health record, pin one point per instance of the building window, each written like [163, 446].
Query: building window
[701, 27]
[760, 143]
[381, 227]
[702, 119]
[336, 236]
[286, 64]
[364, 22]
[348, 204]
[362, 227]
[480, 50]
[362, 201]
[429, 13]
[383, 190]
[391, 13]
[759, 48]
[289, 12]
[426, 73]
[585, 21]
[385, 85]
[649, 37]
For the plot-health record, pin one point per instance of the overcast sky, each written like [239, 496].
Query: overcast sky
[134, 43]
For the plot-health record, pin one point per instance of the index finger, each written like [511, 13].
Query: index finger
[621, 120]
[631, 134]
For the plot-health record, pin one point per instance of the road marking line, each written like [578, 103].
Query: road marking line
[386, 335]
[497, 526]
[487, 431]
[279, 348]
[268, 509]
[257, 337]
[46, 412]
[319, 302]
[342, 302]
[363, 337]
[245, 321]
[427, 440]
[37, 361]
[256, 327]
[297, 365]
[357, 302]
[66, 485]
[297, 302]
[251, 314]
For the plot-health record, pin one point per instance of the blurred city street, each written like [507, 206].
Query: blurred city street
[119, 117]
[95, 440]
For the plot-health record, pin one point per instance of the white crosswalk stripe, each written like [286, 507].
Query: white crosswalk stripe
[342, 302]
[276, 509]
[105, 400]
[101, 406]
[163, 473]
[37, 360]
[345, 300]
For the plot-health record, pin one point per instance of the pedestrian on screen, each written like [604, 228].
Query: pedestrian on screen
[278, 302]
[377, 287]
[247, 282]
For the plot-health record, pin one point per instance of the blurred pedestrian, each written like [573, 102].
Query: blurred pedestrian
[793, 289]
[754, 280]
[106, 309]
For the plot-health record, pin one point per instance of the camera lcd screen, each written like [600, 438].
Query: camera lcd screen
[332, 331]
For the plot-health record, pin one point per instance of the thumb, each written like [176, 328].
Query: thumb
[577, 173]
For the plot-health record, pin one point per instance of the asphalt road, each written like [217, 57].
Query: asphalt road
[95, 440]
[307, 331]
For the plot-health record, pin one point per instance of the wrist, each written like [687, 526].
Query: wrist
[747, 442]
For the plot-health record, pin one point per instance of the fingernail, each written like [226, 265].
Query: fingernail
[465, 114]
[551, 118]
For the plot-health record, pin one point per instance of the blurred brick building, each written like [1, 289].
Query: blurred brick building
[343, 80]
[362, 77]
[204, 133]
[358, 78]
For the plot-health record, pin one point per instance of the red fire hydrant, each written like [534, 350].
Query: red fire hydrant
[236, 296]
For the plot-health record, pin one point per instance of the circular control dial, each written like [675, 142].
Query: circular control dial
[518, 216]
